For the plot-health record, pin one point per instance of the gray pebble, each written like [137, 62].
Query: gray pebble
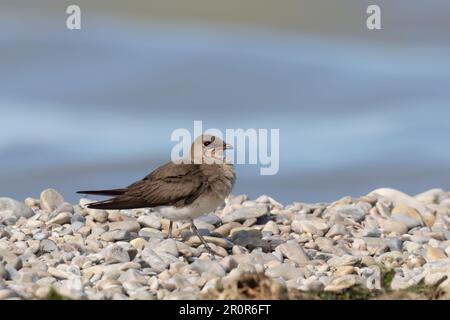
[202, 266]
[294, 252]
[115, 235]
[116, 254]
[47, 245]
[131, 226]
[149, 221]
[154, 260]
[10, 208]
[245, 213]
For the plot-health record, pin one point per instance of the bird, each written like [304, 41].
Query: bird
[180, 190]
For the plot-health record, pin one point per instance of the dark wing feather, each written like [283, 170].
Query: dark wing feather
[169, 185]
[114, 192]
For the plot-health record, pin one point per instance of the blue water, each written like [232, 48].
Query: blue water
[96, 109]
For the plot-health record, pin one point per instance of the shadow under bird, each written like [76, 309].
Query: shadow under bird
[182, 190]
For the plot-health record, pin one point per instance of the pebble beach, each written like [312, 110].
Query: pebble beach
[51, 248]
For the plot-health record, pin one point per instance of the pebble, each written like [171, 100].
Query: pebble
[248, 238]
[300, 226]
[271, 227]
[149, 222]
[167, 246]
[352, 212]
[100, 216]
[434, 278]
[392, 226]
[132, 275]
[31, 202]
[431, 196]
[202, 266]
[341, 283]
[411, 246]
[34, 224]
[434, 254]
[7, 294]
[125, 254]
[294, 252]
[403, 210]
[225, 229]
[391, 260]
[41, 235]
[337, 230]
[50, 199]
[117, 216]
[238, 199]
[344, 270]
[77, 218]
[131, 226]
[415, 261]
[116, 254]
[12, 208]
[151, 233]
[209, 219]
[345, 260]
[47, 245]
[13, 264]
[285, 271]
[64, 207]
[408, 221]
[154, 260]
[61, 218]
[383, 244]
[222, 242]
[58, 273]
[115, 235]
[138, 243]
[398, 197]
[245, 213]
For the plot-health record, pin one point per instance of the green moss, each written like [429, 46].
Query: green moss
[386, 278]
[426, 292]
[354, 293]
[55, 295]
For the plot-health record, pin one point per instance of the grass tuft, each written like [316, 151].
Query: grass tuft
[55, 295]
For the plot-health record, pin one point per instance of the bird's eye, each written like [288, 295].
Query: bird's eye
[206, 143]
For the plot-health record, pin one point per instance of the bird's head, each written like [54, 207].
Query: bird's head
[209, 149]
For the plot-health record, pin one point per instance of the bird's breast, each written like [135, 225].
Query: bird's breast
[204, 204]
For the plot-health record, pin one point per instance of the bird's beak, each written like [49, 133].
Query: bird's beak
[227, 146]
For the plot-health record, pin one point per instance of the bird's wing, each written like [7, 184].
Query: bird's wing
[113, 192]
[169, 185]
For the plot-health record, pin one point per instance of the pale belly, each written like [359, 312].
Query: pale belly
[198, 208]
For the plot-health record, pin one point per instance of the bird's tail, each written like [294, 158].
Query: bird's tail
[119, 202]
[116, 204]
[114, 192]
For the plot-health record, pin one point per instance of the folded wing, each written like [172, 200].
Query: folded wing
[169, 185]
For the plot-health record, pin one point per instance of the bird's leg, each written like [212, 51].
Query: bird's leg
[170, 229]
[197, 233]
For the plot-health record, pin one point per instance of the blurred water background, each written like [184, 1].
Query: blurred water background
[356, 109]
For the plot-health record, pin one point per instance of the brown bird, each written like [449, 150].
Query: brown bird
[182, 190]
